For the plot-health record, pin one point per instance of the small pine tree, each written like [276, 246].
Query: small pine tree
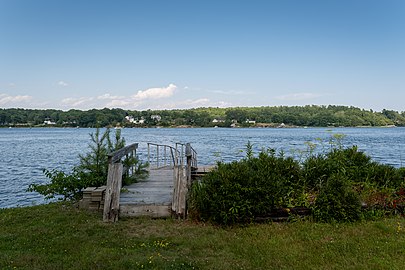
[92, 170]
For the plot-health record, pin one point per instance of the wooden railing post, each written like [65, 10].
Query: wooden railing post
[113, 192]
[114, 182]
[189, 157]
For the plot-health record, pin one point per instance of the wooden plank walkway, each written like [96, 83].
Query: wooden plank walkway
[149, 197]
[153, 195]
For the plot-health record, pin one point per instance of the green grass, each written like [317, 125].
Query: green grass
[55, 236]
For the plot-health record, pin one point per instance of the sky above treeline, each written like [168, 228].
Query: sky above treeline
[138, 55]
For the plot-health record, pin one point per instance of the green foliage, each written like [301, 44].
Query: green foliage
[318, 168]
[67, 185]
[337, 201]
[92, 170]
[356, 165]
[318, 116]
[238, 192]
[330, 183]
[139, 170]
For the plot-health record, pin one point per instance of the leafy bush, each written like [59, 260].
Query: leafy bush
[238, 192]
[318, 168]
[337, 201]
[92, 170]
[385, 175]
[330, 183]
[67, 185]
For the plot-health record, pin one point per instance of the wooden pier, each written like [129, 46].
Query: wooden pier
[149, 197]
[164, 191]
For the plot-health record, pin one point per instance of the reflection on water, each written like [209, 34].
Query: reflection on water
[26, 152]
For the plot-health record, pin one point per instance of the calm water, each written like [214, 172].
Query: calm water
[26, 152]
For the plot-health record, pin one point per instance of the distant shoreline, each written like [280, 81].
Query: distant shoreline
[265, 117]
[184, 126]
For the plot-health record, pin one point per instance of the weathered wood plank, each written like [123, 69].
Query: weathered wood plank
[156, 211]
[117, 155]
[180, 191]
[151, 197]
[112, 193]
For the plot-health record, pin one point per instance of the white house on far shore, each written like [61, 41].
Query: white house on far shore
[49, 122]
[218, 120]
[156, 117]
[132, 120]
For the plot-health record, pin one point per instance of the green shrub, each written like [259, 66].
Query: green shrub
[385, 175]
[354, 164]
[329, 183]
[92, 170]
[337, 201]
[240, 191]
[62, 185]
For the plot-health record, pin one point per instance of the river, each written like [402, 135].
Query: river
[26, 152]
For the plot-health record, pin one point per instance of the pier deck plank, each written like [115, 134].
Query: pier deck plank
[149, 197]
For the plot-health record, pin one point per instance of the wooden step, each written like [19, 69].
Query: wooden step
[151, 210]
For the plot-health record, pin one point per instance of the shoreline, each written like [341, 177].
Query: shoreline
[261, 125]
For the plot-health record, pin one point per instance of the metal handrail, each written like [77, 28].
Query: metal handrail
[161, 158]
[183, 152]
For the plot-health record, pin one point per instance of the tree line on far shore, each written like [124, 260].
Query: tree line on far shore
[310, 115]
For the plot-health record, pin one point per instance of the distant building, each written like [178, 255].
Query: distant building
[130, 118]
[218, 120]
[140, 121]
[250, 121]
[49, 122]
[156, 117]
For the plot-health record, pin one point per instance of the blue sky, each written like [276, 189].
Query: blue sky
[180, 54]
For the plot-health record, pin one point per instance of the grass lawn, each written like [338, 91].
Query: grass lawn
[55, 236]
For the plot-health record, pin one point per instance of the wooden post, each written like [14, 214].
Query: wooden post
[175, 188]
[189, 157]
[112, 193]
[179, 192]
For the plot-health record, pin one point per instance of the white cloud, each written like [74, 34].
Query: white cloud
[199, 102]
[78, 102]
[118, 103]
[14, 100]
[149, 98]
[223, 104]
[155, 93]
[109, 96]
[62, 83]
[298, 96]
[229, 92]
[194, 103]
